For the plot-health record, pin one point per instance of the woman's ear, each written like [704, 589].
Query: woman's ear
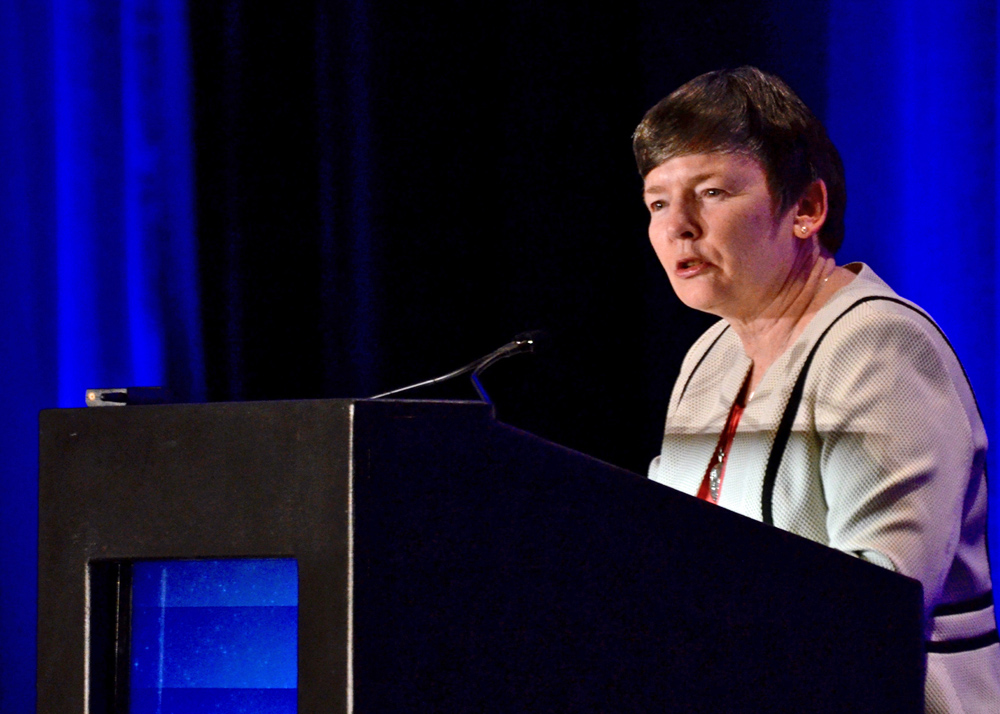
[810, 211]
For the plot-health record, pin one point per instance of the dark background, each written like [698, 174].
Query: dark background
[386, 191]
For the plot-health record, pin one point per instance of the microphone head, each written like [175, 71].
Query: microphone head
[531, 340]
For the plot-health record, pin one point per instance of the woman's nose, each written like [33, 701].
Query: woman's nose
[680, 221]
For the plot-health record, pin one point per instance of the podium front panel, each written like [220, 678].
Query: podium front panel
[448, 562]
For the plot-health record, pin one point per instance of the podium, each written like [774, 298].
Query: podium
[448, 562]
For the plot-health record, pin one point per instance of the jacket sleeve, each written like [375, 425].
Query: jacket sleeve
[900, 443]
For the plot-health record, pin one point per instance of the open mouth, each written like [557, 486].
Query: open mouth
[690, 267]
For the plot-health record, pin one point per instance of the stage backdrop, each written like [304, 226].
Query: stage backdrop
[337, 198]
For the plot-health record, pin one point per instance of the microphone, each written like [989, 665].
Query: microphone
[524, 342]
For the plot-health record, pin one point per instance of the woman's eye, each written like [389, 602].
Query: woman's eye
[713, 192]
[656, 206]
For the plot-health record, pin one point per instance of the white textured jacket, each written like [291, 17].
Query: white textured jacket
[885, 459]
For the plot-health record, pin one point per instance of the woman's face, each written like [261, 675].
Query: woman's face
[717, 233]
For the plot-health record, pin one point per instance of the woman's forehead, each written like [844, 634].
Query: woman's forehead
[693, 167]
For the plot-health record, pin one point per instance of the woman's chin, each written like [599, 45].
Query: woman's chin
[697, 298]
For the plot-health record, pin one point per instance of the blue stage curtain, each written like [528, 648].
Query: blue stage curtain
[912, 107]
[99, 285]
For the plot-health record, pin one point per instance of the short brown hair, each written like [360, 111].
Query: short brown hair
[748, 111]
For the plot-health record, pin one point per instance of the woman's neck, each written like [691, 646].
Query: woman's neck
[767, 335]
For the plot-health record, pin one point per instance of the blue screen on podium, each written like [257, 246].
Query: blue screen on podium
[215, 636]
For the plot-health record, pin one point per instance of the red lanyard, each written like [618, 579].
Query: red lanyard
[711, 485]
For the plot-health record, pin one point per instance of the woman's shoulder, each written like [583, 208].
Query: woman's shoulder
[868, 310]
[884, 335]
[876, 341]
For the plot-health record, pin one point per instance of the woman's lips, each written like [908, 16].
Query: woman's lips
[690, 267]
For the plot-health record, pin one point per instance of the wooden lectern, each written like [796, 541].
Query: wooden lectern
[450, 563]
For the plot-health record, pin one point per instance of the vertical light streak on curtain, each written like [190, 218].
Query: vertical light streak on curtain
[159, 216]
[144, 202]
[91, 330]
[912, 107]
[178, 279]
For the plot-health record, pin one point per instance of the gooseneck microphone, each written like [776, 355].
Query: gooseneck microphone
[525, 342]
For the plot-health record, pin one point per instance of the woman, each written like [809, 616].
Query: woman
[821, 402]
